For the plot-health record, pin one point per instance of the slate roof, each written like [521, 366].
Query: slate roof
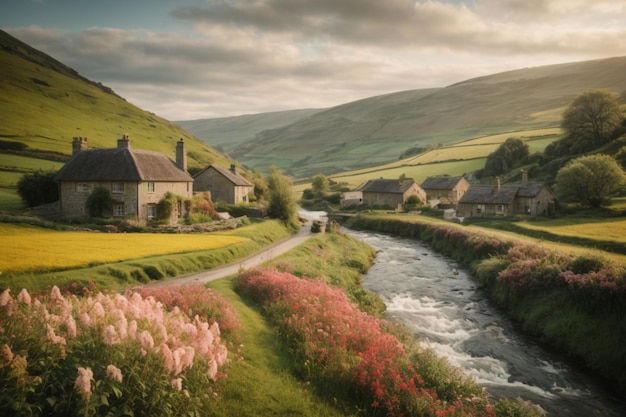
[386, 186]
[229, 175]
[121, 164]
[484, 194]
[441, 183]
[530, 189]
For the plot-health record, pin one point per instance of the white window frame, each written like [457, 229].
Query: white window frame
[117, 187]
[500, 209]
[152, 211]
[119, 210]
[82, 187]
[151, 186]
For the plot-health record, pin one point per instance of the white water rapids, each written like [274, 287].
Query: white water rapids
[442, 305]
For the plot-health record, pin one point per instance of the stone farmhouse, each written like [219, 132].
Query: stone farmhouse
[388, 192]
[445, 190]
[532, 198]
[137, 179]
[223, 184]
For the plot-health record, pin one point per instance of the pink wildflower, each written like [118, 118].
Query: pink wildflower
[97, 310]
[177, 384]
[132, 329]
[85, 319]
[23, 296]
[168, 357]
[70, 323]
[6, 353]
[5, 297]
[55, 296]
[146, 340]
[114, 373]
[109, 336]
[53, 337]
[83, 382]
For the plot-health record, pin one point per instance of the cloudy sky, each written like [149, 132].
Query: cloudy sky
[190, 59]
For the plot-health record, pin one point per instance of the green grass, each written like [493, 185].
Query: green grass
[27, 164]
[10, 200]
[263, 383]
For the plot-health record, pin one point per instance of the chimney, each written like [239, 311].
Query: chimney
[181, 155]
[123, 143]
[233, 169]
[524, 177]
[496, 187]
[78, 144]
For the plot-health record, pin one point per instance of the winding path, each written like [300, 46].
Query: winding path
[264, 255]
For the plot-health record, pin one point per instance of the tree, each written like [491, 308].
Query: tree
[592, 118]
[590, 180]
[38, 188]
[320, 184]
[282, 203]
[506, 157]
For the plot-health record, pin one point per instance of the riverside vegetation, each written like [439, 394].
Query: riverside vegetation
[572, 301]
[207, 351]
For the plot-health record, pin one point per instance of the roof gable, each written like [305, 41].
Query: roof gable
[232, 177]
[386, 186]
[486, 194]
[441, 183]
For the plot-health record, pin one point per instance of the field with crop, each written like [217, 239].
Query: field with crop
[29, 248]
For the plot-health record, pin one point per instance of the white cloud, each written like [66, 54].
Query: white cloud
[264, 55]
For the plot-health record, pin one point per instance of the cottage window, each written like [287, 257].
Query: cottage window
[82, 187]
[151, 186]
[117, 187]
[499, 209]
[152, 211]
[480, 208]
[118, 210]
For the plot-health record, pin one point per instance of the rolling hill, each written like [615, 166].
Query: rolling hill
[378, 130]
[44, 104]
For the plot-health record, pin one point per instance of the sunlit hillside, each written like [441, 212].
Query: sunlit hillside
[378, 130]
[44, 104]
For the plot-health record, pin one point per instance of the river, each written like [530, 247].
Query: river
[442, 305]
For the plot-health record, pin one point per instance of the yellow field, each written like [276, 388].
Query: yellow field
[598, 229]
[29, 248]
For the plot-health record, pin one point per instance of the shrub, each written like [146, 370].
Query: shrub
[99, 202]
[38, 188]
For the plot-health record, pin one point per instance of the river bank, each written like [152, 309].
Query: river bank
[574, 304]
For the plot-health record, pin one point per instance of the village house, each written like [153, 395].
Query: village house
[531, 198]
[445, 190]
[223, 184]
[388, 193]
[136, 179]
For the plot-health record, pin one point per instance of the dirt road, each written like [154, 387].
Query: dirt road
[255, 259]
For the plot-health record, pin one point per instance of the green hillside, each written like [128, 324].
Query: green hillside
[378, 130]
[44, 104]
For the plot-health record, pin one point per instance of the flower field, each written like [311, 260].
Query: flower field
[28, 248]
[110, 354]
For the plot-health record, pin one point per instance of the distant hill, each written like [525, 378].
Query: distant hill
[44, 103]
[378, 130]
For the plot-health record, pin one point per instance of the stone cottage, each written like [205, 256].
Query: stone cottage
[223, 184]
[390, 193]
[136, 179]
[532, 198]
[445, 190]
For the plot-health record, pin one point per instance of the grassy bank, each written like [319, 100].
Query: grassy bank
[574, 302]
